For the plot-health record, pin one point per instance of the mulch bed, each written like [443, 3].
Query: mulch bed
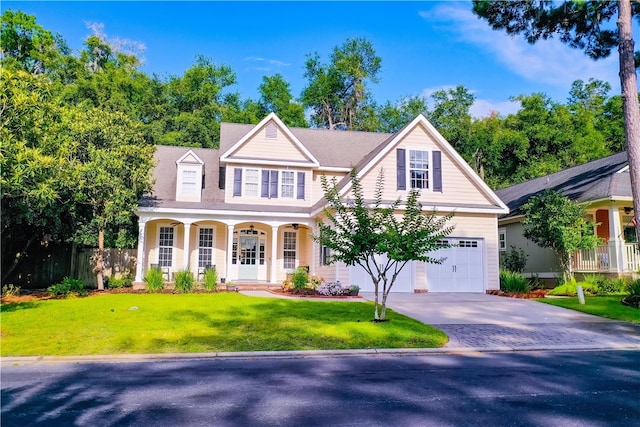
[308, 293]
[539, 293]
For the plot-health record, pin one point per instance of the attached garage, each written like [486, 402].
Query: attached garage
[461, 271]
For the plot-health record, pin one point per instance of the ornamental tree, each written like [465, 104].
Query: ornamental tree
[553, 221]
[376, 236]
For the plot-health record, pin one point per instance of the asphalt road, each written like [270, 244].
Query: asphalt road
[467, 389]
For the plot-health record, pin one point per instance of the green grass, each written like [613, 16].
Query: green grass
[187, 323]
[603, 306]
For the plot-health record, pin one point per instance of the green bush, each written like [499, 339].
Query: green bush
[515, 260]
[67, 287]
[120, 282]
[154, 280]
[300, 279]
[633, 288]
[514, 283]
[184, 281]
[210, 279]
[611, 286]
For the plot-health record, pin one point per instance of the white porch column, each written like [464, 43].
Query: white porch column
[274, 254]
[186, 252]
[616, 241]
[140, 260]
[227, 271]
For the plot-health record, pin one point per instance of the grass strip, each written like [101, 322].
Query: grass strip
[604, 306]
[161, 323]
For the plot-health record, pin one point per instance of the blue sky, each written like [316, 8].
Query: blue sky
[424, 46]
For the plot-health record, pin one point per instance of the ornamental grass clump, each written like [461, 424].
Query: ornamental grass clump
[154, 280]
[210, 282]
[513, 283]
[184, 281]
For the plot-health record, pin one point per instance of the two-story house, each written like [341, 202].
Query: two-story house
[251, 207]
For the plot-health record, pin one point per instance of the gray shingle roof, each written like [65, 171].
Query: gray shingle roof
[595, 180]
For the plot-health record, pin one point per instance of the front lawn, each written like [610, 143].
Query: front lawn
[161, 323]
[604, 306]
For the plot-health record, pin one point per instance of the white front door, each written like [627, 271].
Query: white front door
[461, 271]
[248, 258]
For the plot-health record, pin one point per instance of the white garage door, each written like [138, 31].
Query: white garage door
[404, 281]
[461, 271]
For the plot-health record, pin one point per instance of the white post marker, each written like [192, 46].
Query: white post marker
[580, 294]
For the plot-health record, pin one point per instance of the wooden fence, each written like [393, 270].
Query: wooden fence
[46, 265]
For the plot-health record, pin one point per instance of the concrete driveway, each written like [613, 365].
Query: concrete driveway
[490, 322]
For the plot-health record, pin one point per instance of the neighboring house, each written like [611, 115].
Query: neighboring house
[251, 207]
[604, 185]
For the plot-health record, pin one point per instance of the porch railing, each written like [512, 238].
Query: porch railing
[602, 259]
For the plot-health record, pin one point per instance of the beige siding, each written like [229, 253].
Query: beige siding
[277, 149]
[317, 192]
[458, 187]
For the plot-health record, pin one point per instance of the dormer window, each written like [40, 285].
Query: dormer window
[189, 178]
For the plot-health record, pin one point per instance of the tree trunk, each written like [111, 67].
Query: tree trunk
[99, 261]
[629, 86]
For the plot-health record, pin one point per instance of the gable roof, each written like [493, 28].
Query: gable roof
[606, 178]
[331, 148]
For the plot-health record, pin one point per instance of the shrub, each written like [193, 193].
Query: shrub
[184, 281]
[120, 282]
[10, 290]
[611, 286]
[570, 289]
[210, 279]
[352, 290]
[315, 282]
[67, 287]
[633, 288]
[515, 260]
[154, 280]
[512, 282]
[300, 279]
[330, 289]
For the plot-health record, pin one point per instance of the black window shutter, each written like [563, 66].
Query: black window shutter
[401, 168]
[237, 182]
[265, 183]
[437, 171]
[222, 177]
[301, 185]
[274, 185]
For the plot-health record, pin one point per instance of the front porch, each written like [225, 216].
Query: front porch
[606, 259]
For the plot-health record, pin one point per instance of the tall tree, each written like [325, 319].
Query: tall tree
[375, 236]
[451, 114]
[582, 25]
[337, 92]
[275, 96]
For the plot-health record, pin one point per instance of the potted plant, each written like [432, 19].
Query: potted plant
[231, 287]
[353, 290]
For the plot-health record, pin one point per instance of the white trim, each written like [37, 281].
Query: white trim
[271, 117]
[333, 169]
[201, 214]
[624, 169]
[267, 162]
[187, 154]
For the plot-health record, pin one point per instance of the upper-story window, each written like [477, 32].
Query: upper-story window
[251, 182]
[288, 183]
[189, 178]
[421, 169]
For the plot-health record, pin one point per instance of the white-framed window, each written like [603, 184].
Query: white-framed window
[325, 255]
[251, 182]
[205, 247]
[287, 184]
[289, 250]
[419, 169]
[502, 239]
[165, 246]
[189, 181]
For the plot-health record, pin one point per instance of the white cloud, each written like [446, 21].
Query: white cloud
[547, 61]
[485, 107]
